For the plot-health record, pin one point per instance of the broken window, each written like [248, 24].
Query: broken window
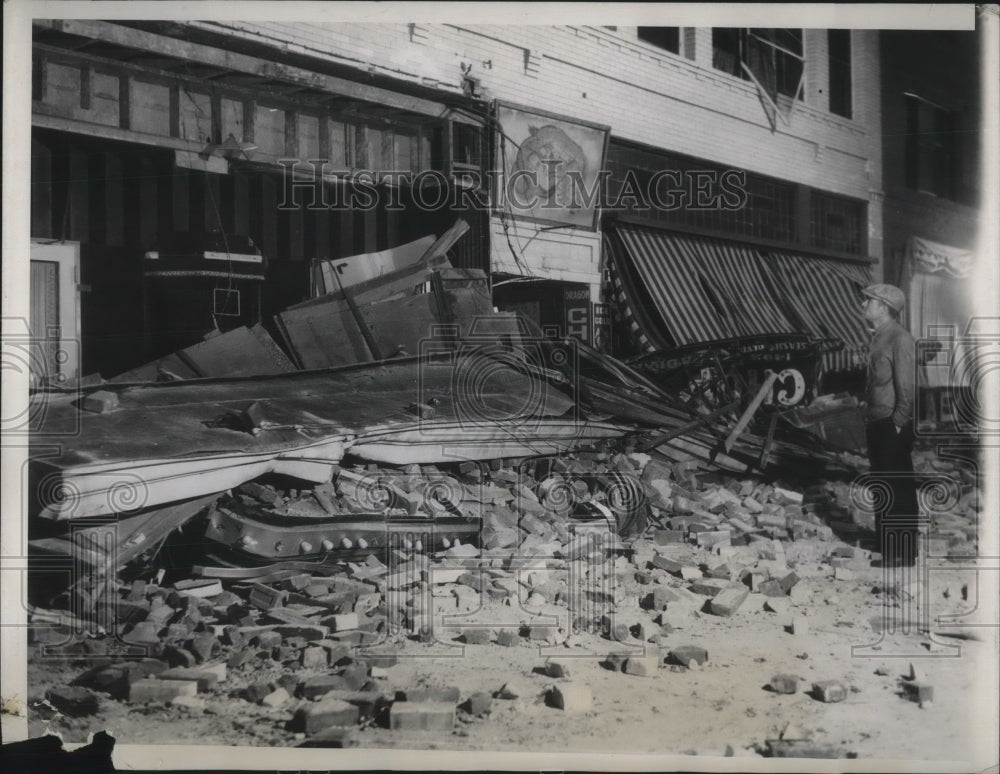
[773, 55]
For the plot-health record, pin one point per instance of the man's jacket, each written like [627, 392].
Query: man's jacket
[891, 374]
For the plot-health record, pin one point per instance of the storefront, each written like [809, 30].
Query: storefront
[698, 254]
[149, 149]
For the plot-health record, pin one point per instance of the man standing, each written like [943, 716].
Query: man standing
[889, 422]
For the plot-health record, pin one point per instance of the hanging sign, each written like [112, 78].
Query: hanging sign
[934, 258]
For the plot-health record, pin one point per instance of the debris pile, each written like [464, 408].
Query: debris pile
[610, 553]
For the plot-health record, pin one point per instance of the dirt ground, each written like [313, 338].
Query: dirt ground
[722, 708]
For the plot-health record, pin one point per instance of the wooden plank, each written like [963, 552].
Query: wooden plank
[229, 60]
[150, 107]
[357, 269]
[446, 241]
[744, 420]
[48, 117]
[329, 335]
[239, 352]
[396, 284]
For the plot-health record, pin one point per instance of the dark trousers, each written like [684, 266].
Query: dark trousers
[889, 453]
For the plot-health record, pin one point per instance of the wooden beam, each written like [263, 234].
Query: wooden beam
[235, 62]
[46, 117]
[747, 415]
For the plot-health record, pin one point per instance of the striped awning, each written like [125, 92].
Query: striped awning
[683, 289]
[824, 295]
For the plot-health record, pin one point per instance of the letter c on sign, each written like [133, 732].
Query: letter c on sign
[790, 387]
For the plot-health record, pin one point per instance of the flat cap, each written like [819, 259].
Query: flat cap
[890, 295]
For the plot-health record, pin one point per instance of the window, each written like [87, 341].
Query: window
[667, 38]
[839, 52]
[930, 154]
[773, 55]
[836, 223]
[727, 47]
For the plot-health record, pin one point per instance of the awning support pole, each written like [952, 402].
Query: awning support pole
[765, 388]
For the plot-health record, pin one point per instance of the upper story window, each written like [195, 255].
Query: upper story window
[840, 91]
[667, 38]
[930, 147]
[773, 55]
[836, 223]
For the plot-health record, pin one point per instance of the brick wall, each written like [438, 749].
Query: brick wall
[941, 67]
[646, 95]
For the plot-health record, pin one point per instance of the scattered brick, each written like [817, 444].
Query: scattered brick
[476, 637]
[320, 685]
[73, 700]
[642, 666]
[422, 716]
[788, 581]
[542, 632]
[557, 668]
[829, 691]
[800, 625]
[205, 646]
[728, 601]
[315, 657]
[153, 690]
[708, 587]
[685, 654]
[355, 676]
[478, 704]
[144, 633]
[919, 692]
[571, 697]
[205, 679]
[515, 689]
[784, 683]
[327, 712]
[266, 640]
[277, 698]
[201, 588]
[433, 694]
[267, 598]
[178, 657]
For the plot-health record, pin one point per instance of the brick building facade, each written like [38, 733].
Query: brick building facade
[122, 113]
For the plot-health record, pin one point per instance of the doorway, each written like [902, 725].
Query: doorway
[54, 313]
